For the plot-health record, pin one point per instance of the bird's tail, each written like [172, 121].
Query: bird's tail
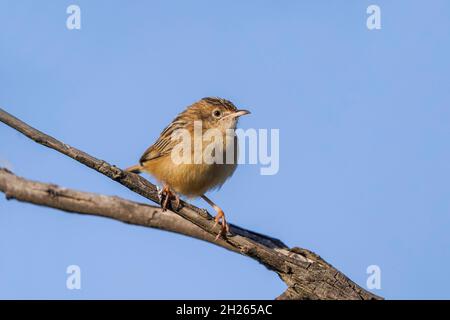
[135, 169]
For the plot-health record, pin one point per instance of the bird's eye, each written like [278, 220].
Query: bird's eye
[217, 113]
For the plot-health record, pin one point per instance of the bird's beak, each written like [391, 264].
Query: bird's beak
[240, 113]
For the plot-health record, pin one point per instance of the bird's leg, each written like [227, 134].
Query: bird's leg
[166, 195]
[220, 216]
[177, 201]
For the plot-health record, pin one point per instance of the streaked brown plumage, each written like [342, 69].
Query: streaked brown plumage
[194, 179]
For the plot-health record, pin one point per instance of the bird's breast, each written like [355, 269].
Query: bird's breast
[192, 179]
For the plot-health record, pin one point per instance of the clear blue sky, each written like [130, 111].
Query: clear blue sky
[364, 128]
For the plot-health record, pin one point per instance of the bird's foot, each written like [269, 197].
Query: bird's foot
[166, 195]
[225, 228]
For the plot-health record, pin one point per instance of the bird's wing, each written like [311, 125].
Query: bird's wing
[165, 143]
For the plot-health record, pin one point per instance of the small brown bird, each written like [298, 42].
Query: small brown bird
[195, 178]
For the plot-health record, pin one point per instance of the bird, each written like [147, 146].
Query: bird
[195, 178]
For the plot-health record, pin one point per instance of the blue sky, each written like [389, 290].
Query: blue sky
[364, 130]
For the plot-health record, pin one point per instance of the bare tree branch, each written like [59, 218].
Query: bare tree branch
[306, 274]
[53, 196]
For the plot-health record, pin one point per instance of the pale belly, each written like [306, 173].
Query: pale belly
[191, 180]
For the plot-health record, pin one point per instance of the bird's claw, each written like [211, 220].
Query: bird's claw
[165, 196]
[224, 227]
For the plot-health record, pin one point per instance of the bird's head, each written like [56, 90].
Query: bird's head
[217, 113]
